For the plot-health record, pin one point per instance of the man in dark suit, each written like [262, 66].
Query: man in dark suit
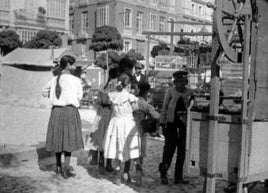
[138, 75]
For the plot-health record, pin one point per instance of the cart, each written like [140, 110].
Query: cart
[234, 146]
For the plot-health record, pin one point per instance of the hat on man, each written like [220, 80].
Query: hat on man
[139, 65]
[180, 75]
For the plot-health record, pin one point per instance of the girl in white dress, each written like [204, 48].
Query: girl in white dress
[122, 139]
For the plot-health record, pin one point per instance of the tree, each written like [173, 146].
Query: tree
[133, 55]
[106, 38]
[9, 40]
[113, 59]
[44, 39]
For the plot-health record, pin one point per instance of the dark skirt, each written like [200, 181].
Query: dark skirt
[64, 130]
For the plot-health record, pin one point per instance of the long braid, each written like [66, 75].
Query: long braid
[58, 88]
[65, 60]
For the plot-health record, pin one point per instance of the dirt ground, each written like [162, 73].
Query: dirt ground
[27, 126]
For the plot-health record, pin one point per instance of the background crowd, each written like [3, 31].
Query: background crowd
[123, 121]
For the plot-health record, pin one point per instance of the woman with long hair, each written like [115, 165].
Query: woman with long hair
[64, 133]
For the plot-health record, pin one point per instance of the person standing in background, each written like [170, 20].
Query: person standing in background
[101, 122]
[139, 77]
[178, 100]
[64, 134]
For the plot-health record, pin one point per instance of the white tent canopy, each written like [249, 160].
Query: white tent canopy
[36, 57]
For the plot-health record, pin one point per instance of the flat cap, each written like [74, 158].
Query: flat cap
[179, 74]
[139, 65]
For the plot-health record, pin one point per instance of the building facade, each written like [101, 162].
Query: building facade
[130, 17]
[198, 12]
[27, 17]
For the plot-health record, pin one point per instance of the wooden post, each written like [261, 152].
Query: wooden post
[213, 134]
[210, 181]
[243, 163]
[172, 37]
[106, 75]
[147, 56]
[188, 144]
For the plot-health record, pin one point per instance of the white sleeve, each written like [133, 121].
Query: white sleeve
[133, 98]
[46, 89]
[79, 90]
[112, 98]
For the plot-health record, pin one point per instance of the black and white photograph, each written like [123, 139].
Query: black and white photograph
[133, 96]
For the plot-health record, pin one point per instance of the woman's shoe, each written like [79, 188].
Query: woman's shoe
[117, 177]
[180, 181]
[58, 170]
[67, 174]
[109, 169]
[126, 177]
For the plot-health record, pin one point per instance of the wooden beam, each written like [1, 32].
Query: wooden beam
[177, 33]
[212, 155]
[190, 23]
[243, 162]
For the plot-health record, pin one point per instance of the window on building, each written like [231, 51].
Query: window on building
[56, 8]
[139, 22]
[193, 11]
[84, 23]
[128, 18]
[152, 22]
[200, 10]
[162, 21]
[102, 16]
[172, 3]
[5, 4]
[71, 22]
[127, 46]
[154, 1]
[163, 4]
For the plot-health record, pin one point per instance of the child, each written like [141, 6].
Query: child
[64, 133]
[122, 140]
[177, 102]
[144, 109]
[101, 122]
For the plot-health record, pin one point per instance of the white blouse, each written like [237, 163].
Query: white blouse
[71, 90]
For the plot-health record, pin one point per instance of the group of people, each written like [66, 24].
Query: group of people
[118, 134]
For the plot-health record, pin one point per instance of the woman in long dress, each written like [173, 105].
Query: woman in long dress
[64, 133]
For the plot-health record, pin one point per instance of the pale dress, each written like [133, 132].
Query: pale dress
[122, 140]
[102, 119]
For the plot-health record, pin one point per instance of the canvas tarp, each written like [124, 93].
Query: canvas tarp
[36, 57]
[24, 72]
